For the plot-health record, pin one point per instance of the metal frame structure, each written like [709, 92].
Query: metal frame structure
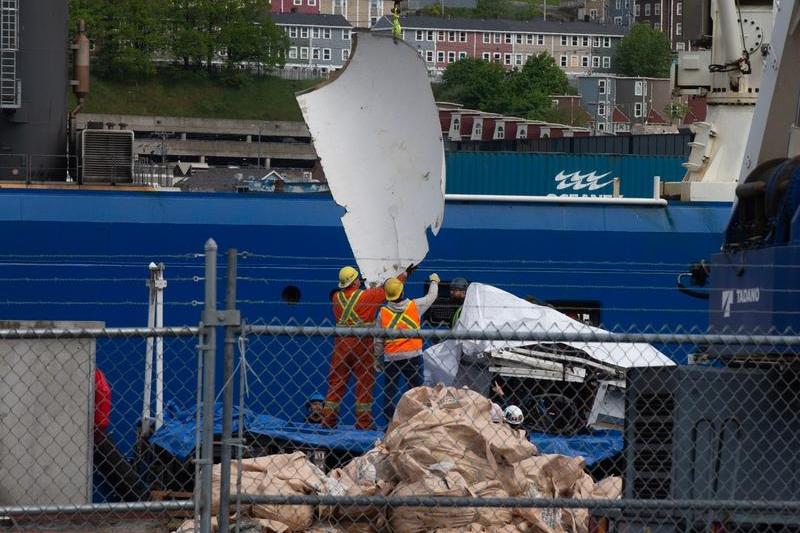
[10, 86]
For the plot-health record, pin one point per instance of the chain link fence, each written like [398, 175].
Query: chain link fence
[511, 418]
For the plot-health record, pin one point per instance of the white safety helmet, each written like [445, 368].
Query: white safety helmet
[513, 415]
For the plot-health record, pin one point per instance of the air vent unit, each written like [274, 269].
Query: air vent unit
[107, 156]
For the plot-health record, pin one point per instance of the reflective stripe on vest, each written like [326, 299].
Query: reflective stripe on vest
[407, 319]
[348, 305]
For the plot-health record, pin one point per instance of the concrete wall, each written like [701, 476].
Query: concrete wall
[46, 417]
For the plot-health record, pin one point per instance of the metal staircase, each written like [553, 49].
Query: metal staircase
[10, 86]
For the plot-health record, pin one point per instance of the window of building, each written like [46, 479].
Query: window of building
[593, 14]
[657, 26]
[540, 39]
[312, 2]
[637, 88]
[346, 35]
[584, 61]
[326, 54]
[678, 28]
[657, 9]
[606, 42]
[315, 53]
[477, 128]
[316, 33]
[637, 109]
[440, 56]
[430, 35]
[507, 59]
[529, 38]
[618, 4]
[327, 33]
[564, 40]
[601, 86]
[574, 40]
[647, 10]
[462, 36]
[498, 57]
[293, 52]
[563, 61]
[339, 7]
[501, 132]
[601, 109]
[345, 54]
[304, 33]
[522, 132]
[518, 59]
[304, 52]
[679, 8]
[497, 38]
[596, 42]
[297, 2]
[596, 61]
[429, 56]
[487, 38]
[637, 9]
[293, 32]
[441, 36]
[419, 35]
[519, 38]
[462, 55]
[601, 126]
[509, 38]
[606, 62]
[585, 40]
[680, 47]
[487, 56]
[451, 57]
[451, 36]
[617, 20]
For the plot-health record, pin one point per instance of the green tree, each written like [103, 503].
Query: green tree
[476, 84]
[644, 52]
[127, 34]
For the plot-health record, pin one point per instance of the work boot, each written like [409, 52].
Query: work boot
[364, 416]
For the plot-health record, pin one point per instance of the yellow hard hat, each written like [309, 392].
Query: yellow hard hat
[393, 289]
[347, 276]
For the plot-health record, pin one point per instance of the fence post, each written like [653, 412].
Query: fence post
[209, 348]
[227, 405]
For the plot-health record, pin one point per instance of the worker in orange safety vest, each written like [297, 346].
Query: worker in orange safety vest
[353, 307]
[402, 356]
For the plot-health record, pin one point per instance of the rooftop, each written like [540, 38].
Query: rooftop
[502, 25]
[310, 19]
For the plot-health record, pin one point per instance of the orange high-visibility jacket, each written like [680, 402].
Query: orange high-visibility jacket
[408, 319]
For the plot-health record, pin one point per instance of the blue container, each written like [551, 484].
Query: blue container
[509, 173]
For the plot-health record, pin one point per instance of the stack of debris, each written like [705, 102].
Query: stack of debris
[441, 442]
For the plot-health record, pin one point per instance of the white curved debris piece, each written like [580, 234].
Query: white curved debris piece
[376, 129]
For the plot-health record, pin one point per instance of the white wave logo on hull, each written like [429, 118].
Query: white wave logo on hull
[578, 181]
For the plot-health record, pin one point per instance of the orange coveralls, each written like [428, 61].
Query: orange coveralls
[353, 355]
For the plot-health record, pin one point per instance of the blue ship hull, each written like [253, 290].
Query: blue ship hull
[82, 255]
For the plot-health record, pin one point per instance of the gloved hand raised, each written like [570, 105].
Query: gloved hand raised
[434, 278]
[411, 268]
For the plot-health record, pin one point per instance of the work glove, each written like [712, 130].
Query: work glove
[411, 268]
[434, 278]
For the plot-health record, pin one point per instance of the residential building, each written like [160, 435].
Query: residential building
[420, 4]
[578, 47]
[359, 13]
[620, 12]
[617, 104]
[594, 11]
[318, 44]
[665, 16]
[459, 125]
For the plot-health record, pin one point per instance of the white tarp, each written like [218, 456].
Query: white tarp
[376, 129]
[488, 308]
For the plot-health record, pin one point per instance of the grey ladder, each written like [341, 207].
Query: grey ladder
[10, 86]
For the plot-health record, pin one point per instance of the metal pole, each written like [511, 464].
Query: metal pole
[148, 363]
[227, 402]
[160, 285]
[209, 347]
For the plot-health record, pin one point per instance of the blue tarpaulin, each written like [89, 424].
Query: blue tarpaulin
[177, 436]
[594, 447]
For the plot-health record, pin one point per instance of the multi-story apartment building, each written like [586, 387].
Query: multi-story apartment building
[359, 13]
[665, 16]
[594, 11]
[318, 43]
[578, 47]
[620, 12]
[617, 103]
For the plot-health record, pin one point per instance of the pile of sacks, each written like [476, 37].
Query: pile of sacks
[441, 442]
